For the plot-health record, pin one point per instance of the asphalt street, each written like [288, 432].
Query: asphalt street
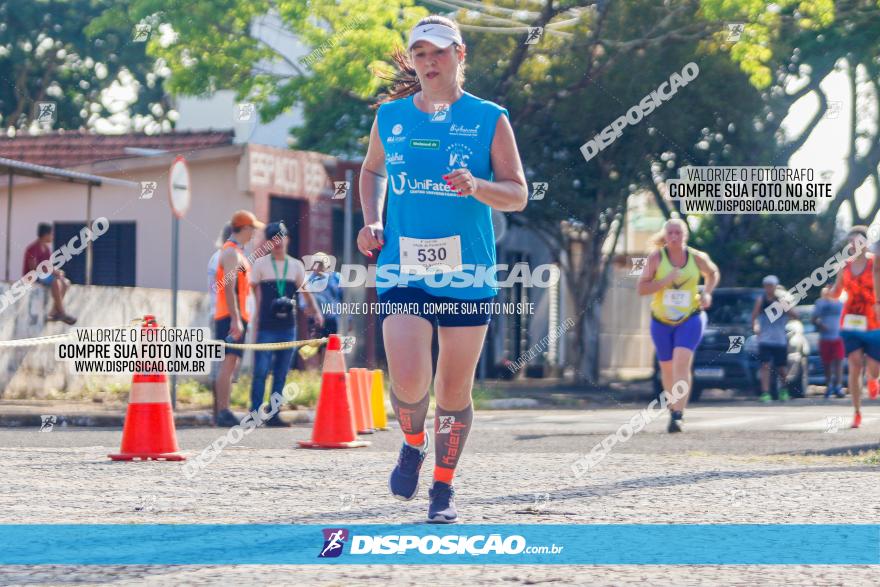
[737, 462]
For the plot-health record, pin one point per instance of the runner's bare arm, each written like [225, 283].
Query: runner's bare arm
[710, 271]
[647, 285]
[756, 310]
[373, 178]
[837, 288]
[875, 274]
[508, 193]
[372, 182]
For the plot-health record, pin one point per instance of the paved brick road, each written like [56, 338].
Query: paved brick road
[735, 465]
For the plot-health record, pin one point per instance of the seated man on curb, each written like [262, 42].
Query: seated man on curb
[37, 252]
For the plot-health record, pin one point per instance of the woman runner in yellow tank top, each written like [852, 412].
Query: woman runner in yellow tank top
[672, 276]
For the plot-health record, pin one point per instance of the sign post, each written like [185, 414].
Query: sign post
[179, 197]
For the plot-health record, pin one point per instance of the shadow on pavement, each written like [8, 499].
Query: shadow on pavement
[854, 450]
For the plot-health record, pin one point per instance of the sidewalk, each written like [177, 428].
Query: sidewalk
[29, 413]
[526, 394]
[557, 393]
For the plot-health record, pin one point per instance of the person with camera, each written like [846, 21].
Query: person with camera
[275, 279]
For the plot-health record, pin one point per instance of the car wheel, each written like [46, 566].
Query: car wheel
[696, 393]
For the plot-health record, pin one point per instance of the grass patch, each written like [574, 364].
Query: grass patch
[308, 385]
[194, 394]
[200, 395]
[482, 394]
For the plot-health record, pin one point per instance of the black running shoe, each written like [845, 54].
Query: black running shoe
[226, 419]
[404, 480]
[675, 422]
[442, 507]
[276, 422]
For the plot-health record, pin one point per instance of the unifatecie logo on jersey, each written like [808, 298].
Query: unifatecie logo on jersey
[334, 540]
[458, 156]
[396, 137]
[419, 187]
[394, 159]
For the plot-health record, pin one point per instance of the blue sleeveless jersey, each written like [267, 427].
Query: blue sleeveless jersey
[421, 148]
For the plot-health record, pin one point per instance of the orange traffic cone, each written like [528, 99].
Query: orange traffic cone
[361, 408]
[377, 400]
[333, 418]
[366, 390]
[148, 432]
[351, 402]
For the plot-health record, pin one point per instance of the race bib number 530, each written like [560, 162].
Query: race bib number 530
[423, 254]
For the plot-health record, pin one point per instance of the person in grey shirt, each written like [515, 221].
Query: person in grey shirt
[826, 317]
[772, 339]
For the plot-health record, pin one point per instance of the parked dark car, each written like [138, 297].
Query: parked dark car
[816, 370]
[719, 365]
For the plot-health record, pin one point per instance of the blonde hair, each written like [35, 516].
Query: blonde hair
[405, 82]
[659, 238]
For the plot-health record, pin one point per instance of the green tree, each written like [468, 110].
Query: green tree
[49, 54]
[595, 60]
[788, 49]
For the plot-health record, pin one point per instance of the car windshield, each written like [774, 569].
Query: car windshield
[729, 308]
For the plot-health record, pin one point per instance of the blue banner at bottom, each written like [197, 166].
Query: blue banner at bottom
[277, 544]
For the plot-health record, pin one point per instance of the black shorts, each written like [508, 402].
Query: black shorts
[440, 311]
[221, 332]
[773, 353]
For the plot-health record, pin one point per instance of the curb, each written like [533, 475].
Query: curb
[186, 420]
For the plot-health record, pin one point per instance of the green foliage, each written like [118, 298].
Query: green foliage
[591, 65]
[765, 23]
[308, 382]
[193, 393]
[481, 395]
[50, 52]
[213, 49]
[748, 247]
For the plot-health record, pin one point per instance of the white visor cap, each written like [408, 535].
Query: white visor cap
[434, 33]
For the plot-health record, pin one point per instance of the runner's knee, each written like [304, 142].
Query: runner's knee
[410, 385]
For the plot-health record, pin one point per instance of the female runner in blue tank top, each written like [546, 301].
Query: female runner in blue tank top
[451, 158]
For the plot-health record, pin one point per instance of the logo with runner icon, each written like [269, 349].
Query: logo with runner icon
[735, 344]
[334, 541]
[445, 424]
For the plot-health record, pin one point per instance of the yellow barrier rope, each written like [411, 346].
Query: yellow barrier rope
[52, 338]
[274, 346]
[34, 341]
[263, 346]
